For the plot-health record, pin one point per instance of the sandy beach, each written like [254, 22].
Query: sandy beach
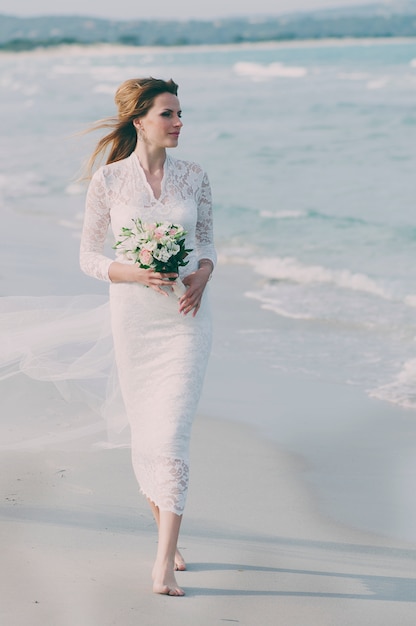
[78, 544]
[263, 544]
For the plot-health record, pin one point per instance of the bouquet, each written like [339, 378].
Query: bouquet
[159, 246]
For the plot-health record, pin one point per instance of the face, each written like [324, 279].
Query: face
[162, 124]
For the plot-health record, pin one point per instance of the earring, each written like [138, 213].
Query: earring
[140, 133]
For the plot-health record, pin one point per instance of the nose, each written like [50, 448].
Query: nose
[178, 122]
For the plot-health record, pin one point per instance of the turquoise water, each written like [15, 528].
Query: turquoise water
[310, 150]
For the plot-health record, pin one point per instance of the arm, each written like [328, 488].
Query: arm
[96, 220]
[205, 250]
[204, 226]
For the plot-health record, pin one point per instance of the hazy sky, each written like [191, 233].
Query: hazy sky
[179, 9]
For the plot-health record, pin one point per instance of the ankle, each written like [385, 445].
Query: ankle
[164, 563]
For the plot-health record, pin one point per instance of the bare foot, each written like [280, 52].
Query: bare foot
[180, 565]
[164, 581]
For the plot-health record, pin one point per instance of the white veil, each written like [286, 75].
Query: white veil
[58, 380]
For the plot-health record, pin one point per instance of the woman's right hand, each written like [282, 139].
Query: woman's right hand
[124, 273]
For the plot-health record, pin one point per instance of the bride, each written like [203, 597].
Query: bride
[161, 341]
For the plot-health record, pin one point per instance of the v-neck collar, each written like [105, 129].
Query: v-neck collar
[146, 182]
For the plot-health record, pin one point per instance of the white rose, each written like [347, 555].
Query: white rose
[162, 255]
[173, 248]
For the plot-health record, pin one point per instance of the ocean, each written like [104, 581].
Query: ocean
[310, 149]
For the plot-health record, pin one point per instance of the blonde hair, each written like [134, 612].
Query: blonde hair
[134, 98]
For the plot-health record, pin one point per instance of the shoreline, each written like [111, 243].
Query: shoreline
[356, 452]
[103, 49]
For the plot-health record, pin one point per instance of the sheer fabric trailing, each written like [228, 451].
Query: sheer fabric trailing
[65, 341]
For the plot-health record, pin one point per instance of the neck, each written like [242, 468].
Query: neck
[151, 160]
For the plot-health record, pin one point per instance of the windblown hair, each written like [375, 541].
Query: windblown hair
[134, 98]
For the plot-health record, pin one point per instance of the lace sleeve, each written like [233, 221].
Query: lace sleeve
[96, 221]
[204, 227]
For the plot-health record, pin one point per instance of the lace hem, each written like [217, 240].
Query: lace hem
[163, 481]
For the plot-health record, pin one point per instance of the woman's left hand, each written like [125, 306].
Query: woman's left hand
[195, 283]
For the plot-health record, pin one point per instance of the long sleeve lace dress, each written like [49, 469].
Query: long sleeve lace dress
[161, 355]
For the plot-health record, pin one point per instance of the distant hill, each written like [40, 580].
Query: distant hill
[387, 19]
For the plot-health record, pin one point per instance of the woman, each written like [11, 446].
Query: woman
[161, 343]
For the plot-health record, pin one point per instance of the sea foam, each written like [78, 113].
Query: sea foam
[290, 269]
[22, 184]
[402, 390]
[269, 304]
[282, 215]
[257, 71]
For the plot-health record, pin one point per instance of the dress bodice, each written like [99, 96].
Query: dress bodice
[120, 192]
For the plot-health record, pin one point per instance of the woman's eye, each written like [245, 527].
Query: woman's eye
[169, 114]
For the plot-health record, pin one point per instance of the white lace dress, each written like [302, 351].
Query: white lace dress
[161, 355]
